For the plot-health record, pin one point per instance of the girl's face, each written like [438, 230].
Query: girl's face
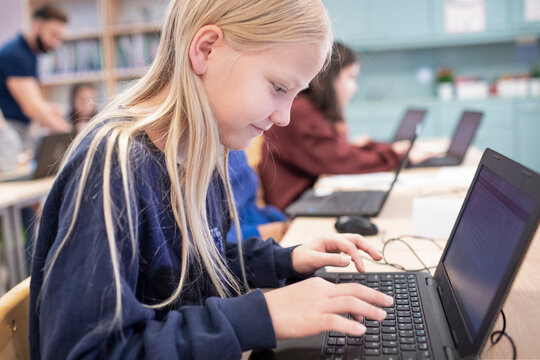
[84, 101]
[346, 84]
[250, 91]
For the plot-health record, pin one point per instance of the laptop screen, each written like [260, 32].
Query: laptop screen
[407, 127]
[482, 246]
[464, 134]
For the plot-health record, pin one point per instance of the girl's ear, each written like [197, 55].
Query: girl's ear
[204, 41]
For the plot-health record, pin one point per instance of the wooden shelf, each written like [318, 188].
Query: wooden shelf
[136, 28]
[83, 34]
[72, 78]
[130, 73]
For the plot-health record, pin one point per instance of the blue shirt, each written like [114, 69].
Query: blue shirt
[16, 60]
[80, 296]
[245, 183]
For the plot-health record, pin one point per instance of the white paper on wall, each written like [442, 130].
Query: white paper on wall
[532, 10]
[464, 16]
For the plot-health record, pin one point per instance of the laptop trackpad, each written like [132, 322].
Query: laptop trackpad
[307, 348]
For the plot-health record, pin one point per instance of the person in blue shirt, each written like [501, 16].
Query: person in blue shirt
[20, 96]
[262, 221]
[131, 259]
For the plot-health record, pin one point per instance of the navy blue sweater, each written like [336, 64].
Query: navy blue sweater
[70, 315]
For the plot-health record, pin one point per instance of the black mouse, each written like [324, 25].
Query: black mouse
[356, 225]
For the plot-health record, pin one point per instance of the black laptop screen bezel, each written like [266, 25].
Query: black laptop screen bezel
[417, 114]
[528, 182]
[458, 133]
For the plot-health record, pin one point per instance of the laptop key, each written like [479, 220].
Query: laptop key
[393, 344]
[372, 331]
[422, 346]
[406, 333]
[372, 352]
[372, 324]
[406, 340]
[405, 327]
[389, 329]
[354, 341]
[390, 351]
[372, 345]
[407, 355]
[389, 337]
[373, 338]
[408, 347]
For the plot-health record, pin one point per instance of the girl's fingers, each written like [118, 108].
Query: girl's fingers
[355, 306]
[362, 292]
[339, 243]
[335, 322]
[361, 243]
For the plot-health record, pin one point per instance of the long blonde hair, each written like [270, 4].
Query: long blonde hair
[185, 115]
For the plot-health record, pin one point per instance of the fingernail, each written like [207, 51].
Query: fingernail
[382, 313]
[389, 300]
[345, 260]
[360, 328]
[379, 252]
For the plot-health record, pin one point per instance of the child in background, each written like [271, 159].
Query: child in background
[130, 261]
[10, 146]
[315, 142]
[83, 105]
[262, 221]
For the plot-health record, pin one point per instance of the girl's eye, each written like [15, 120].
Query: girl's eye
[279, 89]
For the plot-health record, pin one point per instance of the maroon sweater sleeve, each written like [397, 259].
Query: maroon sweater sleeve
[308, 147]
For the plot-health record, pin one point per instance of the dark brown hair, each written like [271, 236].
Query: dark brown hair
[74, 116]
[50, 12]
[321, 89]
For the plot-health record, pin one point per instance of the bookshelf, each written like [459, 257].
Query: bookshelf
[108, 43]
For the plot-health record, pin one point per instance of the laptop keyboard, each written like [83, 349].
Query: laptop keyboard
[401, 336]
[352, 202]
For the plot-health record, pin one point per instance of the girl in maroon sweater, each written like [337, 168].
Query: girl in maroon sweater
[315, 142]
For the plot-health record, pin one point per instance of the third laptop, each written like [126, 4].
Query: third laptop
[462, 139]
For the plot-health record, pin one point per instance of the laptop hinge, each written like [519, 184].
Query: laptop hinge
[449, 353]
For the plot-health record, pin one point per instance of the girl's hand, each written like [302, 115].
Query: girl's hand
[314, 305]
[332, 250]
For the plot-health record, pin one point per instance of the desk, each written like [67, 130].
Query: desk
[521, 306]
[13, 197]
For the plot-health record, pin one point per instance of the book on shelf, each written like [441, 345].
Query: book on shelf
[136, 50]
[72, 57]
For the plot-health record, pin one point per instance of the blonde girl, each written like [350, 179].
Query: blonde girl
[130, 261]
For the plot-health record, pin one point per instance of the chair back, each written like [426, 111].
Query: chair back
[14, 322]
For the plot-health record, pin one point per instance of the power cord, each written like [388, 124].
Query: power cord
[497, 335]
[401, 267]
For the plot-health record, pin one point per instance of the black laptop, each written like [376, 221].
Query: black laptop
[407, 127]
[49, 152]
[462, 139]
[449, 315]
[337, 203]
